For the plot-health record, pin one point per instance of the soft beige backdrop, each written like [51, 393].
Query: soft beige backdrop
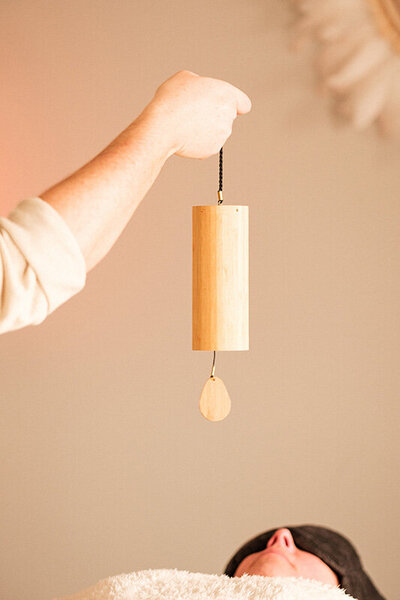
[106, 464]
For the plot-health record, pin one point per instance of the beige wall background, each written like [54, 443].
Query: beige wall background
[107, 465]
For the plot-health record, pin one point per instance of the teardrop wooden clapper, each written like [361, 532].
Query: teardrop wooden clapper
[220, 310]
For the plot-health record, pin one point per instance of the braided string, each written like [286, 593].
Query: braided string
[221, 171]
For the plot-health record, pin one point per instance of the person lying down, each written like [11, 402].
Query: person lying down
[307, 551]
[305, 562]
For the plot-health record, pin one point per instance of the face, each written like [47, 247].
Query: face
[282, 558]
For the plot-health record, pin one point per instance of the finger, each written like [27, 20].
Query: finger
[243, 102]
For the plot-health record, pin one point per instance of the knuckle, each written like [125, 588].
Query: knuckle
[186, 73]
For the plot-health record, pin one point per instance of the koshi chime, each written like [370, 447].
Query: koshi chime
[220, 308]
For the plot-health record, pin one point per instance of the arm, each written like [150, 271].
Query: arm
[98, 200]
[190, 116]
[47, 244]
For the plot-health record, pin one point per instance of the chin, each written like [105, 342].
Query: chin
[273, 566]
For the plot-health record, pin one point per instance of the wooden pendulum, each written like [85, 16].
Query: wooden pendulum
[220, 309]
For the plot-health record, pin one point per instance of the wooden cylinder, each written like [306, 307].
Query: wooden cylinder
[220, 303]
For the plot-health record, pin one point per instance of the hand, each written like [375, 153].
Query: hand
[196, 113]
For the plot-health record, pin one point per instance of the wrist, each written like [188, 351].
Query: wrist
[158, 124]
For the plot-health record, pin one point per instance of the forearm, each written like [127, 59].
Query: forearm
[98, 200]
[189, 115]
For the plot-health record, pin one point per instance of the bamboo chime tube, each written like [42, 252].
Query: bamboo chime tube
[220, 308]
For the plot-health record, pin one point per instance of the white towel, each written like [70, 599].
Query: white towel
[171, 584]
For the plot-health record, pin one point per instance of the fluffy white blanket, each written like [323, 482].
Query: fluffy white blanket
[171, 584]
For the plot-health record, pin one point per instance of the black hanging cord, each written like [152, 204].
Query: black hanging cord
[221, 173]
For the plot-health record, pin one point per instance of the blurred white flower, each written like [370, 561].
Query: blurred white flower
[358, 61]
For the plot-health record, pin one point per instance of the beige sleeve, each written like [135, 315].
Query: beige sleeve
[41, 264]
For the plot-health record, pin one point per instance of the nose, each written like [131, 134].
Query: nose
[282, 537]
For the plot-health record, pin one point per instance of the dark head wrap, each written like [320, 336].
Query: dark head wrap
[331, 547]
